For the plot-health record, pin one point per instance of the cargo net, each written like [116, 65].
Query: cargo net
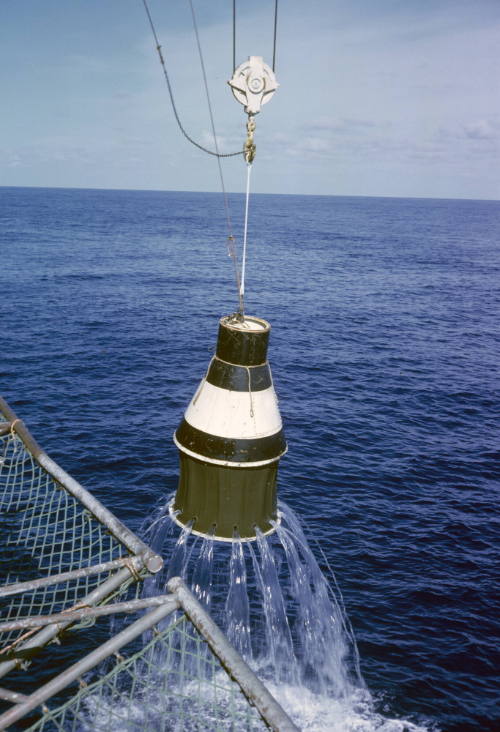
[61, 552]
[173, 682]
[44, 531]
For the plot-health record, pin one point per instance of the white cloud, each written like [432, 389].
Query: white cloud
[481, 130]
[343, 125]
[376, 90]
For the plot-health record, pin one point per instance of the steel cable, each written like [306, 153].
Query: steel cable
[230, 238]
[275, 33]
[171, 95]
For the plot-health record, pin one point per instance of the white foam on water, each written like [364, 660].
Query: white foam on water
[290, 624]
[310, 712]
[317, 713]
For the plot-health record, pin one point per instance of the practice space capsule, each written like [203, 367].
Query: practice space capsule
[231, 439]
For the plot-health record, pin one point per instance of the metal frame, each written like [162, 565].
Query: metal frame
[73, 616]
[52, 630]
[141, 558]
[253, 689]
[133, 563]
[151, 561]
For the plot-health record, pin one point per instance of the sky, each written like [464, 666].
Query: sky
[376, 97]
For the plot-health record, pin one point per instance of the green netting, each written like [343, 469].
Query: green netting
[44, 531]
[172, 682]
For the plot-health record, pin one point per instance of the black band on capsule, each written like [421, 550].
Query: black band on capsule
[234, 450]
[243, 347]
[238, 378]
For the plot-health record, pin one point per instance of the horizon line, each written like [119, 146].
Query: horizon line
[241, 193]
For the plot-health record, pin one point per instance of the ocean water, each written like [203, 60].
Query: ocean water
[385, 355]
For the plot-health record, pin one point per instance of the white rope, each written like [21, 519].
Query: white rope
[245, 231]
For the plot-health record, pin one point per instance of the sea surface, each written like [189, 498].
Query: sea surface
[385, 353]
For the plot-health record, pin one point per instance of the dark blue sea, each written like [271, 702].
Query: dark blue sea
[385, 352]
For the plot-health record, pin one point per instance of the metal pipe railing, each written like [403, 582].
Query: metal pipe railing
[18, 588]
[88, 663]
[251, 686]
[152, 561]
[12, 696]
[85, 613]
[50, 631]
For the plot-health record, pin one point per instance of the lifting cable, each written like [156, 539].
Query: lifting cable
[275, 32]
[245, 232]
[171, 94]
[230, 237]
[249, 149]
[234, 36]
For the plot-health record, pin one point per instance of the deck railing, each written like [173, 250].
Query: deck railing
[66, 562]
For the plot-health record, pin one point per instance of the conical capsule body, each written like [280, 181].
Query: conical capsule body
[231, 439]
